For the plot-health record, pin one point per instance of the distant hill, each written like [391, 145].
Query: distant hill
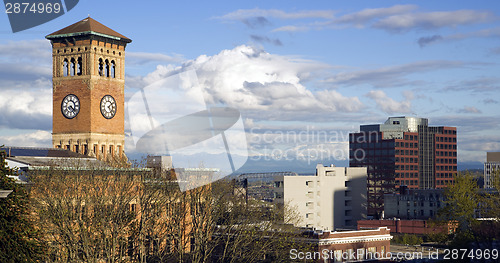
[299, 166]
[470, 166]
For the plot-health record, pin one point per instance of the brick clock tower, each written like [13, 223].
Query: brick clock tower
[88, 89]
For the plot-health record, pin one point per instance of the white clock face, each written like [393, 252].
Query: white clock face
[108, 107]
[70, 106]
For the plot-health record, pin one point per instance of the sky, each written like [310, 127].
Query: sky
[302, 74]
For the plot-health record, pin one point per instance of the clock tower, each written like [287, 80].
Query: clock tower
[88, 72]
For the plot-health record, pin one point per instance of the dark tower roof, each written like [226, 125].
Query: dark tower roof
[88, 26]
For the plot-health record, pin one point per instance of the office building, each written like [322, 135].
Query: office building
[491, 166]
[403, 151]
[335, 197]
[414, 203]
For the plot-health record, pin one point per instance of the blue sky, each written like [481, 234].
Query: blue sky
[290, 67]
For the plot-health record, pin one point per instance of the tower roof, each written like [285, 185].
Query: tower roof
[88, 26]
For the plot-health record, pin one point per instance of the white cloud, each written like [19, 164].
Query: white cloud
[361, 18]
[433, 20]
[34, 139]
[389, 105]
[248, 78]
[469, 109]
[392, 76]
[27, 109]
[396, 19]
[38, 50]
[291, 29]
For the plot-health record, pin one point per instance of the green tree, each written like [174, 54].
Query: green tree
[461, 204]
[19, 238]
[465, 203]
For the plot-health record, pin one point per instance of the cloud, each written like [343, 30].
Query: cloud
[496, 51]
[432, 20]
[469, 109]
[27, 109]
[242, 14]
[38, 51]
[389, 105]
[25, 60]
[265, 39]
[480, 85]
[490, 101]
[483, 33]
[261, 85]
[365, 16]
[291, 29]
[392, 76]
[38, 138]
[424, 41]
[256, 22]
[338, 102]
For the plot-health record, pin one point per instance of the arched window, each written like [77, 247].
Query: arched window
[72, 67]
[113, 69]
[101, 67]
[65, 68]
[79, 67]
[106, 68]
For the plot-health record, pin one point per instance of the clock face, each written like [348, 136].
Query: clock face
[108, 107]
[70, 106]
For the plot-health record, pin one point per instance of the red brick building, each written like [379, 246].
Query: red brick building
[403, 151]
[88, 78]
[406, 226]
[347, 246]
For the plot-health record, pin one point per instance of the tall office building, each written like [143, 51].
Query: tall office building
[403, 151]
[491, 165]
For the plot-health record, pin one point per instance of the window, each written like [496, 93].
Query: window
[106, 68]
[113, 69]
[79, 67]
[101, 67]
[65, 68]
[72, 67]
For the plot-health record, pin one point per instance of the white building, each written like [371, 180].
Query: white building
[491, 165]
[335, 197]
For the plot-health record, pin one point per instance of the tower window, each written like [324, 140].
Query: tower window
[72, 67]
[79, 67]
[113, 69]
[101, 67]
[106, 68]
[65, 68]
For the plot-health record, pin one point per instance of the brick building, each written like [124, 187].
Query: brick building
[348, 246]
[403, 151]
[88, 89]
[406, 226]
